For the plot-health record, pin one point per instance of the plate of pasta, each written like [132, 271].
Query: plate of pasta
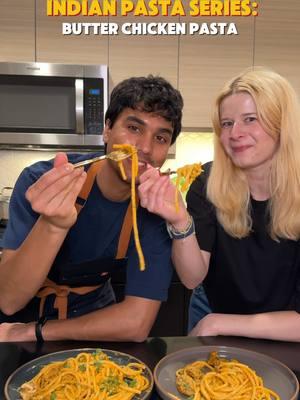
[223, 373]
[81, 374]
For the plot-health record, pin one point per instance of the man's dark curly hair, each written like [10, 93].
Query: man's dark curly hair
[151, 94]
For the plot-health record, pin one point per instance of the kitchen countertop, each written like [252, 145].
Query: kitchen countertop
[13, 355]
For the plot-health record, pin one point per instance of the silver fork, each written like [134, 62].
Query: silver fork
[117, 155]
[167, 172]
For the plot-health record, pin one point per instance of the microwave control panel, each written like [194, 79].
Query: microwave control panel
[93, 106]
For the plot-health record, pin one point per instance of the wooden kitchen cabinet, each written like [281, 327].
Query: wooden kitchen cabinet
[17, 30]
[277, 34]
[53, 46]
[207, 61]
[140, 55]
[197, 64]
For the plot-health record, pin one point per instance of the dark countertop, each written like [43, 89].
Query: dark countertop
[13, 355]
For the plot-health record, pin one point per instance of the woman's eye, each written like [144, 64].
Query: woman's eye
[250, 119]
[226, 124]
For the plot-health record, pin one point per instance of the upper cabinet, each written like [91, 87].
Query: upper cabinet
[138, 55]
[207, 61]
[17, 30]
[197, 64]
[53, 46]
[277, 38]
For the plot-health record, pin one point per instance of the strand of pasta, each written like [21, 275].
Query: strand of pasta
[87, 376]
[134, 172]
[121, 167]
[227, 380]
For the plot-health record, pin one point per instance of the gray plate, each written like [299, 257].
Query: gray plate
[276, 375]
[30, 369]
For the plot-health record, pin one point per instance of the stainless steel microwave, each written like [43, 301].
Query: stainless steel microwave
[57, 105]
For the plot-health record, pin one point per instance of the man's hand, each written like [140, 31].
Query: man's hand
[53, 196]
[17, 332]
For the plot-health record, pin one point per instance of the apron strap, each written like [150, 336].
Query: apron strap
[125, 234]
[61, 296]
[87, 186]
[62, 291]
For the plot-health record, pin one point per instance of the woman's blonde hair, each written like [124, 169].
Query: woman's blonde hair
[279, 114]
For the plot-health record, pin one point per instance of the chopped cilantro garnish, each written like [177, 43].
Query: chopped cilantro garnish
[82, 367]
[98, 364]
[97, 352]
[111, 384]
[131, 382]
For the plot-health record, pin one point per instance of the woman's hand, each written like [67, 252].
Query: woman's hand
[53, 196]
[207, 326]
[157, 194]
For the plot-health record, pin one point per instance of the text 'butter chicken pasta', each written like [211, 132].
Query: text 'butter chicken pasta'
[87, 376]
[221, 379]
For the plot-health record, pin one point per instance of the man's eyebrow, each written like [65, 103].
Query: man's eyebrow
[135, 119]
[141, 122]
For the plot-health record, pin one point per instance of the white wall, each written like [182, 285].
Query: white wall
[192, 147]
[12, 162]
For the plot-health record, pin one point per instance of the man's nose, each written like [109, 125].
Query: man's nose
[145, 144]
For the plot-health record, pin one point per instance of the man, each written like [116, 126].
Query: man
[46, 238]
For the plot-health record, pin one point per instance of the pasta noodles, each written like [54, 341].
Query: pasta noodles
[185, 176]
[134, 172]
[121, 167]
[221, 379]
[88, 376]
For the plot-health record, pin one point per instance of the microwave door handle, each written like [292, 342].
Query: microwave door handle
[79, 95]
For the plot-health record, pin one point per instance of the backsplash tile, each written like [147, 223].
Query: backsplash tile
[12, 162]
[192, 147]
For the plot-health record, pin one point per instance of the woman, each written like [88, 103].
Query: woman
[246, 211]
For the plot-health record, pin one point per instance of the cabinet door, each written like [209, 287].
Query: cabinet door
[17, 30]
[140, 55]
[277, 34]
[206, 62]
[53, 46]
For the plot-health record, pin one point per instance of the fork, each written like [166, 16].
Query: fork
[117, 155]
[167, 172]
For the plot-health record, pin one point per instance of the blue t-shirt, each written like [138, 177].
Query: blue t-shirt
[96, 234]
